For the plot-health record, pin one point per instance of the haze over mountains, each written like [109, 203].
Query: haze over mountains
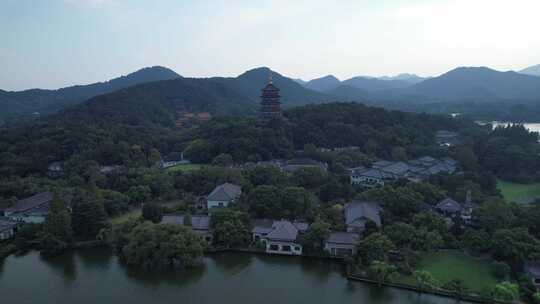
[240, 95]
[532, 70]
[47, 101]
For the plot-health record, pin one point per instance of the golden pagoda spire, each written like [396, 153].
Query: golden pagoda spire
[270, 76]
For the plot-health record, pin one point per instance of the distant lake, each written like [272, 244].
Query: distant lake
[535, 127]
[96, 276]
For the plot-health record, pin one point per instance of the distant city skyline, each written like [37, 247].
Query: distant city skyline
[57, 43]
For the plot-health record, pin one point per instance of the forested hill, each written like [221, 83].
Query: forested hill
[47, 101]
[118, 129]
[160, 102]
[292, 93]
[375, 131]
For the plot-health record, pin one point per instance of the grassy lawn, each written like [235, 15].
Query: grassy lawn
[519, 193]
[125, 217]
[448, 265]
[185, 168]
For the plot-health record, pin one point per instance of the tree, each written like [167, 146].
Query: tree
[477, 241]
[115, 203]
[265, 201]
[457, 287]
[494, 214]
[401, 234]
[58, 221]
[51, 245]
[152, 212]
[425, 280]
[161, 247]
[401, 202]
[381, 271]
[223, 160]
[515, 246]
[88, 218]
[265, 175]
[295, 203]
[501, 270]
[229, 227]
[375, 247]
[154, 157]
[313, 239]
[57, 232]
[466, 158]
[536, 297]
[309, 177]
[139, 194]
[505, 291]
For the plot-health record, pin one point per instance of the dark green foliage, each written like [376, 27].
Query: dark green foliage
[400, 202]
[309, 177]
[495, 214]
[375, 247]
[58, 221]
[46, 101]
[88, 216]
[152, 212]
[501, 270]
[161, 247]
[115, 203]
[511, 152]
[420, 238]
[457, 287]
[139, 194]
[51, 244]
[57, 231]
[515, 246]
[223, 160]
[230, 227]
[28, 235]
[381, 271]
[477, 241]
[313, 239]
[265, 175]
[277, 203]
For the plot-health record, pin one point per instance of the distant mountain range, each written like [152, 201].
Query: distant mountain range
[366, 83]
[477, 82]
[165, 89]
[532, 70]
[47, 101]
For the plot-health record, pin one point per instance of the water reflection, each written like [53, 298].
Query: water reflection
[64, 265]
[230, 264]
[96, 257]
[97, 276]
[178, 278]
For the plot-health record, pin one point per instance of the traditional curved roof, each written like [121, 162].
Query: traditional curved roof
[362, 210]
[449, 205]
[270, 87]
[225, 192]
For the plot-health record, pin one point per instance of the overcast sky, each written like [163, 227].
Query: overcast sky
[56, 43]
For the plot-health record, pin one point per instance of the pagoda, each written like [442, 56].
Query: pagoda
[270, 104]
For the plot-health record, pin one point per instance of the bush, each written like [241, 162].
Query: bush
[161, 247]
[501, 270]
[152, 212]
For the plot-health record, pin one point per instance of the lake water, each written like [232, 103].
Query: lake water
[96, 276]
[535, 127]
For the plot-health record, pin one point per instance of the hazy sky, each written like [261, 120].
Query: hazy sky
[55, 43]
